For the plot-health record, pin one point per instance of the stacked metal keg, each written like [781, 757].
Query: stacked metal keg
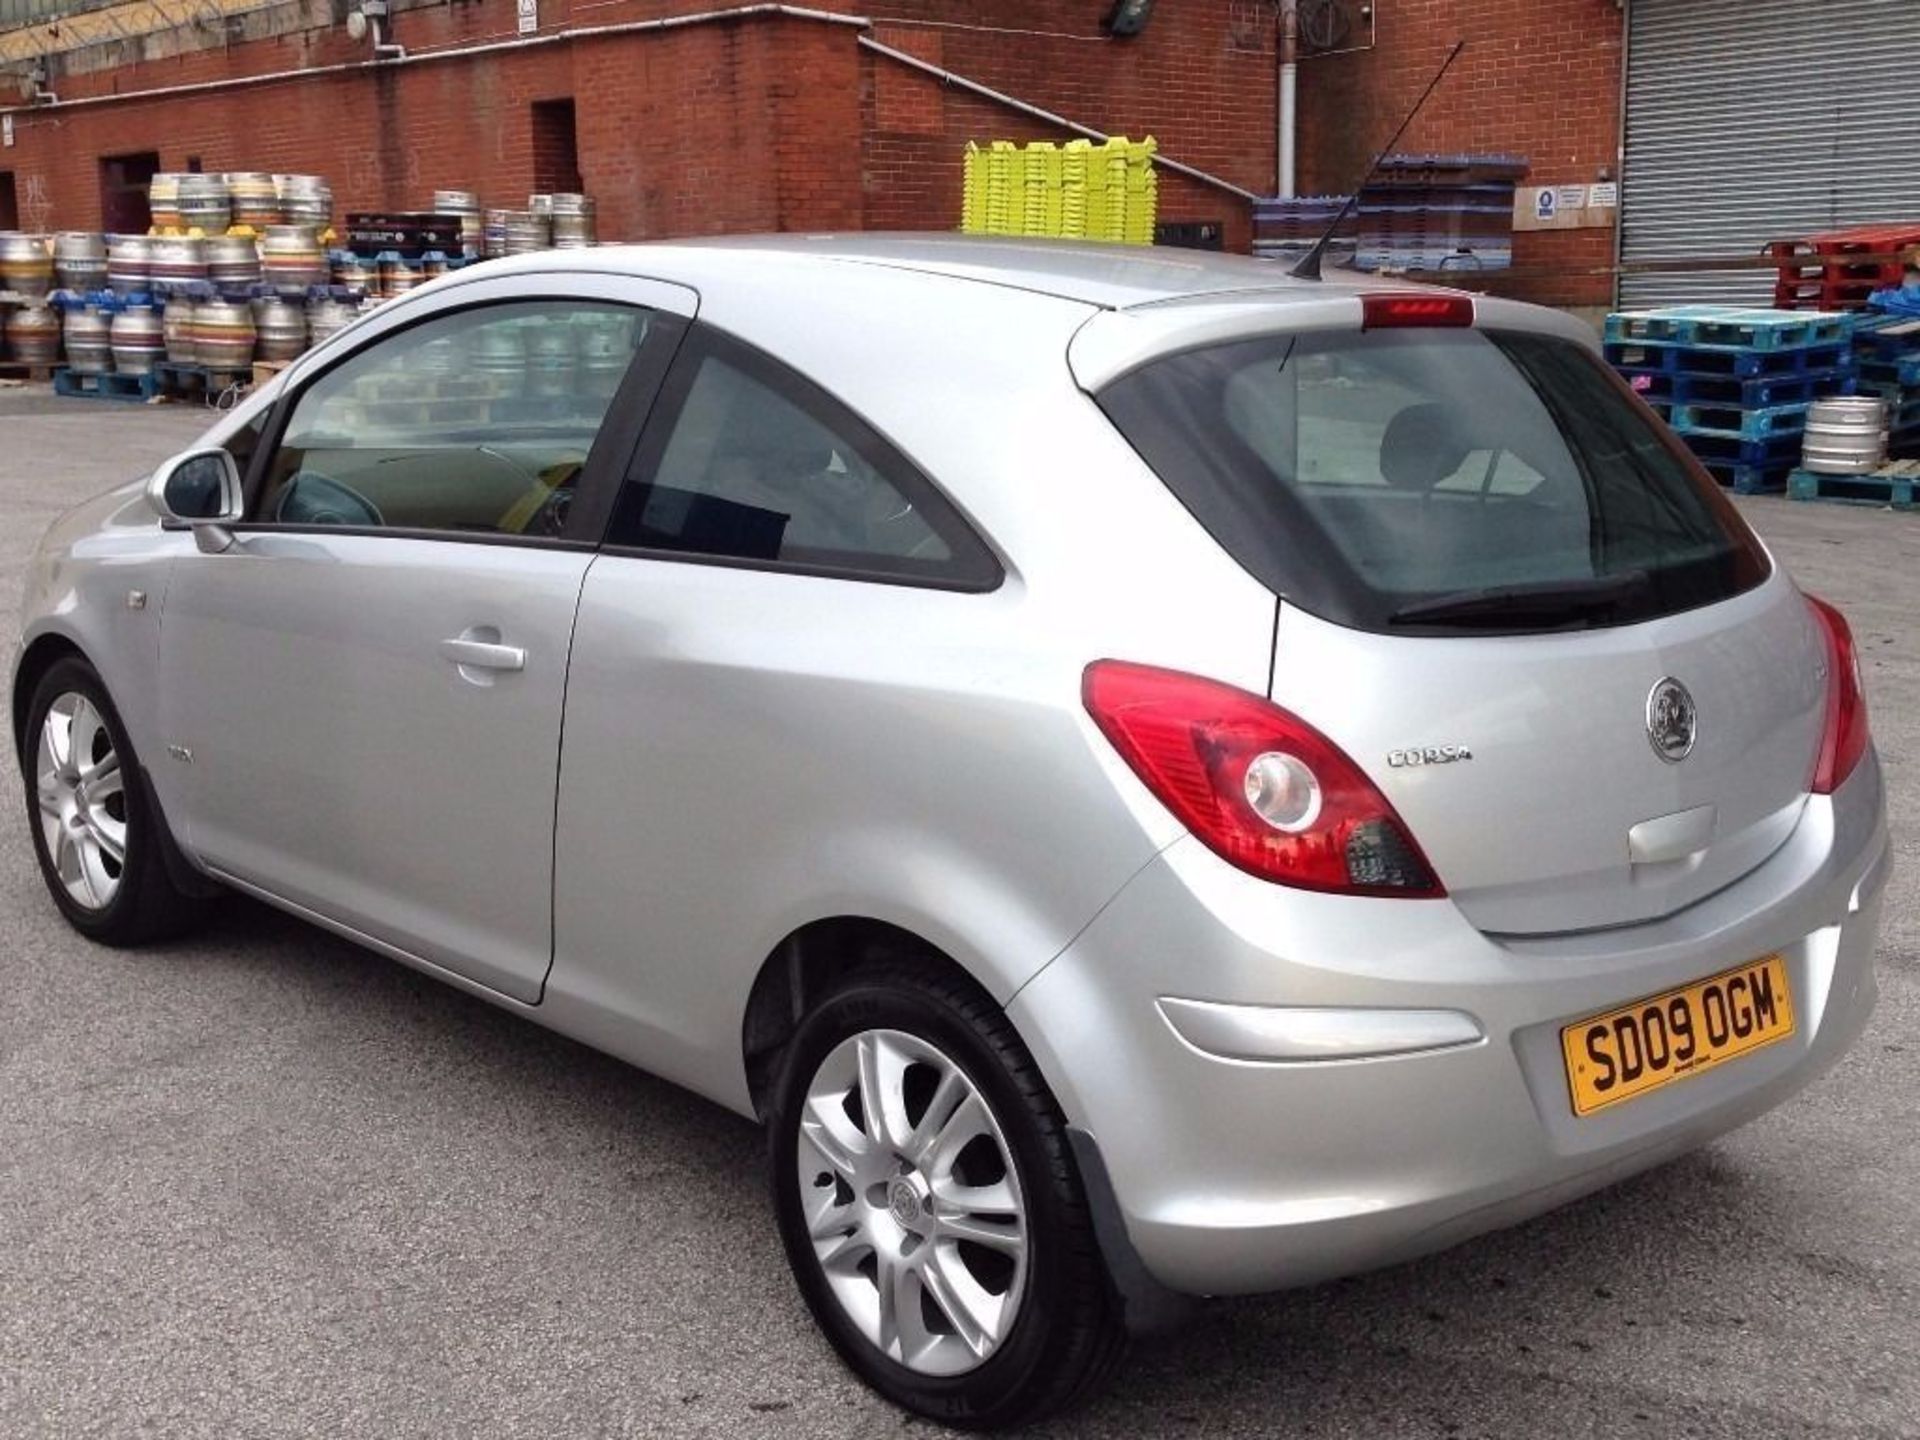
[129, 264]
[466, 205]
[180, 331]
[493, 234]
[33, 335]
[223, 334]
[175, 262]
[305, 200]
[233, 264]
[88, 339]
[253, 199]
[326, 317]
[163, 201]
[26, 264]
[572, 221]
[292, 261]
[279, 328]
[138, 340]
[203, 204]
[528, 230]
[80, 261]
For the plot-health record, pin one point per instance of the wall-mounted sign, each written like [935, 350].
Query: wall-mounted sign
[1565, 207]
[6, 131]
[529, 11]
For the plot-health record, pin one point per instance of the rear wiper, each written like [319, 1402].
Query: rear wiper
[1549, 601]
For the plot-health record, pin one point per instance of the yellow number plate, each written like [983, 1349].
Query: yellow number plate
[1653, 1042]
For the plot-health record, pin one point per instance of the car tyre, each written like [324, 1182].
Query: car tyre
[99, 835]
[967, 1127]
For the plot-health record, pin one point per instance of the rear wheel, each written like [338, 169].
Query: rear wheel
[100, 841]
[930, 1207]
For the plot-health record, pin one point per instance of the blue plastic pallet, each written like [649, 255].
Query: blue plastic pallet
[1889, 488]
[1904, 372]
[1769, 450]
[1749, 479]
[1738, 424]
[110, 386]
[1756, 394]
[1724, 327]
[1736, 364]
[1886, 337]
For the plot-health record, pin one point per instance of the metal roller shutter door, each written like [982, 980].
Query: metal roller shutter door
[1758, 120]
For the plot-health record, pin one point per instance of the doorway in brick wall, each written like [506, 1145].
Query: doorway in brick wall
[556, 153]
[123, 192]
[9, 202]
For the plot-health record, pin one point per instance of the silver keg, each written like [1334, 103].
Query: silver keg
[203, 204]
[280, 328]
[137, 339]
[1846, 435]
[129, 264]
[573, 227]
[89, 342]
[80, 260]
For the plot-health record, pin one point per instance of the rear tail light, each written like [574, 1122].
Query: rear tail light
[1260, 787]
[1391, 312]
[1844, 740]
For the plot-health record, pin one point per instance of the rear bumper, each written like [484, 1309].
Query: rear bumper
[1233, 1175]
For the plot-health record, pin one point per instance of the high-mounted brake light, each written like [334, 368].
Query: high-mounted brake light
[1388, 312]
[1843, 739]
[1257, 785]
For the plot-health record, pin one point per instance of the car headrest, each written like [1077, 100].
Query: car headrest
[1421, 446]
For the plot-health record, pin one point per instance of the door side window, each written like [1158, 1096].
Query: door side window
[751, 462]
[474, 423]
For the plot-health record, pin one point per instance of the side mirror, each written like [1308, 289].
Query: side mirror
[199, 490]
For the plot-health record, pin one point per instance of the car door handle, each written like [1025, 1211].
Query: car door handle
[483, 655]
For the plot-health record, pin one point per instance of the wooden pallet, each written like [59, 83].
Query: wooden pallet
[21, 370]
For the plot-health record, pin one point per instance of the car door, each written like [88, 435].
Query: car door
[361, 698]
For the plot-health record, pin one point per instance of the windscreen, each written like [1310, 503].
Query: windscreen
[1436, 479]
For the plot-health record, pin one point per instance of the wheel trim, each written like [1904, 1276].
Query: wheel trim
[82, 801]
[925, 1251]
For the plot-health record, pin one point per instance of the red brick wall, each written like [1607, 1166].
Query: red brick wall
[1540, 79]
[753, 124]
[783, 123]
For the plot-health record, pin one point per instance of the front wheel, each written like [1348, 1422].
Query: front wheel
[930, 1207]
[99, 837]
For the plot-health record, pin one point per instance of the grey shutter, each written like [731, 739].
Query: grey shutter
[1758, 120]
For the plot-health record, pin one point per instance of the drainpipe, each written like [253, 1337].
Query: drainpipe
[1288, 50]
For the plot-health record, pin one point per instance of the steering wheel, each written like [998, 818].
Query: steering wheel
[310, 498]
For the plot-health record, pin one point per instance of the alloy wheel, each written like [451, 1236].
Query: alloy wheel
[83, 800]
[912, 1202]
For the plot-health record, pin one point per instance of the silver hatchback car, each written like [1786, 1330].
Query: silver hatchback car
[1152, 777]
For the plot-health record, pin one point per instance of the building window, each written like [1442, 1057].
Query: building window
[9, 202]
[556, 154]
[123, 192]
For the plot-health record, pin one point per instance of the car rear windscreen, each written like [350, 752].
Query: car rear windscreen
[1416, 480]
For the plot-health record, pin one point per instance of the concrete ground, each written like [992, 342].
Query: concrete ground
[263, 1183]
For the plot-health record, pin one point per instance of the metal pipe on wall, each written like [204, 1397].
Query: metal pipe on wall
[1287, 50]
[1000, 97]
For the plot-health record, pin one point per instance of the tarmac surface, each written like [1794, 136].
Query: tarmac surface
[263, 1183]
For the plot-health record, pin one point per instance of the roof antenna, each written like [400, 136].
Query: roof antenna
[1309, 266]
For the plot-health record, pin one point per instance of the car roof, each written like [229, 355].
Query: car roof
[1110, 276]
